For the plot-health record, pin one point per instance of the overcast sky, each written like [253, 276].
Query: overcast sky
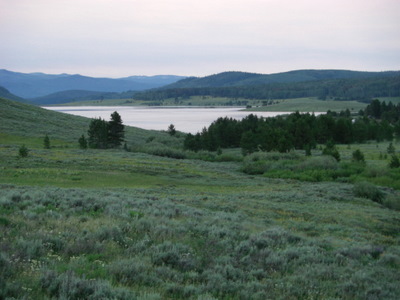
[117, 38]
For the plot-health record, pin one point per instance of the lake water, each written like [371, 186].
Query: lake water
[185, 119]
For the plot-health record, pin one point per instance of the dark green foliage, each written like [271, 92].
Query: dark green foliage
[391, 149]
[82, 142]
[394, 162]
[23, 151]
[103, 134]
[116, 130]
[295, 131]
[171, 129]
[358, 156]
[330, 149]
[369, 191]
[233, 85]
[46, 142]
[98, 134]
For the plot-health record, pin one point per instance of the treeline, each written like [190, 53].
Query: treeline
[339, 89]
[295, 131]
[382, 111]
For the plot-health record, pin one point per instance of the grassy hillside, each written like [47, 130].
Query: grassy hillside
[310, 105]
[30, 124]
[4, 93]
[111, 224]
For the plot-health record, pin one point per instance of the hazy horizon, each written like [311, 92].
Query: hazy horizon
[120, 38]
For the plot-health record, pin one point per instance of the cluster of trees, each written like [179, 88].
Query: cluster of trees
[363, 89]
[295, 131]
[382, 111]
[104, 134]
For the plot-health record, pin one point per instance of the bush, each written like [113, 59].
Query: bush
[394, 162]
[392, 202]
[369, 191]
[358, 156]
[69, 286]
[23, 151]
[162, 150]
[318, 163]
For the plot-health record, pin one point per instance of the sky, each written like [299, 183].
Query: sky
[118, 38]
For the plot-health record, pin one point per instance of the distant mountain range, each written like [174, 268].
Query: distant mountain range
[230, 79]
[45, 89]
[34, 85]
[332, 84]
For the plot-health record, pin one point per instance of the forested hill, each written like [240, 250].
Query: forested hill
[339, 85]
[227, 79]
[4, 93]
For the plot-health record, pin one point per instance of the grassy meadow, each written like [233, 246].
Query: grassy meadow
[143, 224]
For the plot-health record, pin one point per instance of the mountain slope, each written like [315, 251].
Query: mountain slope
[29, 121]
[4, 93]
[38, 84]
[228, 79]
[72, 96]
[362, 86]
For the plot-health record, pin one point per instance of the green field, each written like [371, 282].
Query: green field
[311, 105]
[116, 224]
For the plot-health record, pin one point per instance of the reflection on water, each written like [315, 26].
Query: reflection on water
[186, 119]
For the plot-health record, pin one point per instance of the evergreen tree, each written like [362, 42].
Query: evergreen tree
[46, 142]
[116, 132]
[83, 142]
[394, 162]
[358, 156]
[391, 149]
[98, 134]
[23, 151]
[330, 149]
[171, 130]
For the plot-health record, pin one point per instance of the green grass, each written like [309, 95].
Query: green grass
[112, 224]
[311, 105]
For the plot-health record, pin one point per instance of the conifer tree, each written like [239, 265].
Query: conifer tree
[46, 142]
[116, 132]
[98, 134]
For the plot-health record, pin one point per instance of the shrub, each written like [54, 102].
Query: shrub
[23, 151]
[331, 150]
[131, 272]
[164, 151]
[69, 286]
[176, 255]
[318, 163]
[358, 156]
[392, 202]
[394, 162]
[254, 168]
[369, 191]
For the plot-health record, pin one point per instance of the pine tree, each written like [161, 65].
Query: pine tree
[98, 134]
[83, 142]
[394, 162]
[46, 142]
[171, 129]
[116, 131]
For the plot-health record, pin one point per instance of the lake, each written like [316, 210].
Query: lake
[185, 119]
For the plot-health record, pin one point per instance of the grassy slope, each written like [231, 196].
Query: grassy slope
[30, 124]
[311, 104]
[75, 221]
